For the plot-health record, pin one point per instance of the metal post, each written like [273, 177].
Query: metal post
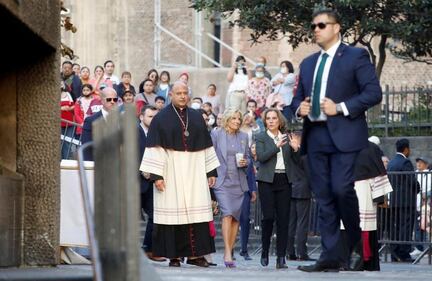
[188, 45]
[198, 39]
[230, 48]
[157, 33]
[387, 89]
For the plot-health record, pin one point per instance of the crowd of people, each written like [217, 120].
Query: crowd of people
[205, 156]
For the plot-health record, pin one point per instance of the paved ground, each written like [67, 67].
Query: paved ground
[252, 270]
[246, 270]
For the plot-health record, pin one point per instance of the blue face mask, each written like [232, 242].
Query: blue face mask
[260, 65]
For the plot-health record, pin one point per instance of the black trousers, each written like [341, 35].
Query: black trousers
[147, 207]
[275, 205]
[401, 229]
[298, 226]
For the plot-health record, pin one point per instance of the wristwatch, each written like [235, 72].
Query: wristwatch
[339, 109]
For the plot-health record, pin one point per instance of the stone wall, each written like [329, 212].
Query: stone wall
[30, 118]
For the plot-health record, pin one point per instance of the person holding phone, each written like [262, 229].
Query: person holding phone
[277, 154]
[238, 77]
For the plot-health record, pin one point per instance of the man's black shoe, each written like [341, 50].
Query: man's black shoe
[292, 257]
[356, 258]
[319, 267]
[202, 262]
[245, 255]
[305, 258]
[280, 263]
[174, 263]
[264, 258]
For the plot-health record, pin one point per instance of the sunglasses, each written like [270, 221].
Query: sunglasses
[321, 25]
[111, 99]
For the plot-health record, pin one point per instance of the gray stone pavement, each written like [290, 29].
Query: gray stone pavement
[252, 270]
[246, 270]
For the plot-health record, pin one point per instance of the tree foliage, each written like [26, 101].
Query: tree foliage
[402, 26]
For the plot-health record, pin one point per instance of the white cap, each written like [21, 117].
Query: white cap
[375, 140]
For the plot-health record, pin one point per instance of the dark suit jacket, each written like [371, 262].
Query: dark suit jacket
[120, 89]
[144, 183]
[87, 134]
[267, 151]
[352, 80]
[300, 186]
[405, 187]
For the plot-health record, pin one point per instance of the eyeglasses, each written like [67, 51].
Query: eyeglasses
[321, 25]
[111, 99]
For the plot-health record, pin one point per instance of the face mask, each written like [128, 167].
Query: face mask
[211, 120]
[259, 74]
[284, 70]
[195, 105]
[260, 64]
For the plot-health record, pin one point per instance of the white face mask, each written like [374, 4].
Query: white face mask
[195, 105]
[259, 74]
[284, 70]
[211, 120]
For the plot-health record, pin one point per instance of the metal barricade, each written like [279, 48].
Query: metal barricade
[404, 220]
[70, 139]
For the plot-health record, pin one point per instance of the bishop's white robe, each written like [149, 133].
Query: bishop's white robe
[186, 198]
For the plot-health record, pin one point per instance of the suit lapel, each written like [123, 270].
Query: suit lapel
[333, 68]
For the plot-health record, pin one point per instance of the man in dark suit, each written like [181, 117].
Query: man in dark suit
[402, 201]
[71, 80]
[336, 87]
[299, 213]
[109, 101]
[146, 186]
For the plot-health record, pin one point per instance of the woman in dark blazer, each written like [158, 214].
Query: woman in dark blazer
[277, 154]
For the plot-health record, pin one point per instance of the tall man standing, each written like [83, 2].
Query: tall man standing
[181, 159]
[146, 185]
[336, 87]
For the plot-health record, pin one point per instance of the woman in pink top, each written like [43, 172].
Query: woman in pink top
[259, 87]
[97, 81]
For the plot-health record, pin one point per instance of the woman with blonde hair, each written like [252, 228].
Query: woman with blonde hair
[232, 149]
[277, 154]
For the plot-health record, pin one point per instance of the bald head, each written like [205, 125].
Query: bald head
[109, 98]
[179, 94]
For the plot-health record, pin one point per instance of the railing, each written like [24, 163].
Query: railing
[70, 140]
[402, 112]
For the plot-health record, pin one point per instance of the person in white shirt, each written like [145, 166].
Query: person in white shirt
[283, 89]
[109, 72]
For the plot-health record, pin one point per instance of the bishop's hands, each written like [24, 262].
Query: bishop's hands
[211, 181]
[160, 185]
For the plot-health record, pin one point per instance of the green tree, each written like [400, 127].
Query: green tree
[403, 26]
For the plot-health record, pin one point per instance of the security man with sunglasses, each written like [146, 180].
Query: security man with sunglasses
[337, 85]
[109, 102]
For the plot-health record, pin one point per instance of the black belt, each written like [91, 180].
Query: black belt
[318, 124]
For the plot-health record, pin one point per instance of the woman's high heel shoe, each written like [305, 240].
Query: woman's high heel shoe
[229, 264]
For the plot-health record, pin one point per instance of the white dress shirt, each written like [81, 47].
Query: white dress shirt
[280, 165]
[331, 52]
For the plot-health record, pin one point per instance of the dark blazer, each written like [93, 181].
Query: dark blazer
[87, 134]
[352, 80]
[142, 138]
[300, 186]
[405, 186]
[120, 89]
[75, 88]
[219, 143]
[267, 151]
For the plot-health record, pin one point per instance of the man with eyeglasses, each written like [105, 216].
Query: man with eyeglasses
[336, 87]
[109, 102]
